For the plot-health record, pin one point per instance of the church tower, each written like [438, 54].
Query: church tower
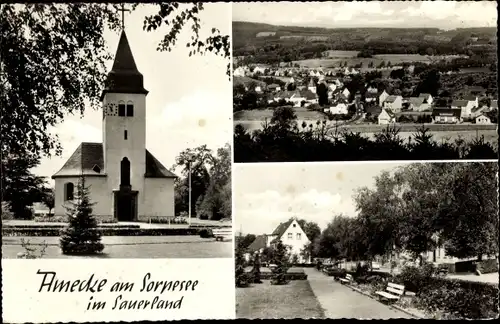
[124, 126]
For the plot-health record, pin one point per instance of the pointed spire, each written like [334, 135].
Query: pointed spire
[124, 76]
[124, 60]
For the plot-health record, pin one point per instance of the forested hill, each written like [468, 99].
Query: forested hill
[248, 35]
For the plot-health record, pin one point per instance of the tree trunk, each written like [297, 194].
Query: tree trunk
[434, 255]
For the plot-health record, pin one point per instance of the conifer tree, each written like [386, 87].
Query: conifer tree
[240, 275]
[281, 259]
[82, 235]
[256, 268]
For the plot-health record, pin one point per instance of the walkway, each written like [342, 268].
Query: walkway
[339, 301]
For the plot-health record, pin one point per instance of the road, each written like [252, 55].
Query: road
[186, 246]
[339, 301]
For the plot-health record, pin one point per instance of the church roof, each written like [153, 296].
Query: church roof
[89, 155]
[124, 76]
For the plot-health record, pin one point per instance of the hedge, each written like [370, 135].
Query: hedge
[110, 231]
[56, 226]
[288, 276]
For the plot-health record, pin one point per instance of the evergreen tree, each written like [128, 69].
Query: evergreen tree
[81, 236]
[281, 259]
[256, 268]
[240, 275]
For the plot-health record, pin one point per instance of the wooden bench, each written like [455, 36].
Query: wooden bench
[392, 293]
[222, 233]
[346, 280]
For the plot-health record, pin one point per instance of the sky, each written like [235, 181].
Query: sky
[267, 194]
[189, 101]
[408, 14]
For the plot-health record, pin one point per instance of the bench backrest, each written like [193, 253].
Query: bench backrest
[395, 288]
[348, 277]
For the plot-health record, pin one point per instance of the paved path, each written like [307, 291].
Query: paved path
[339, 301]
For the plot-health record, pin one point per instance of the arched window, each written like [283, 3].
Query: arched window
[125, 172]
[130, 109]
[121, 109]
[69, 189]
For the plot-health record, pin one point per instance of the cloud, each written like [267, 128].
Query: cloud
[260, 213]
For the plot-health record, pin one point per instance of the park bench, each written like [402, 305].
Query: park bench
[346, 280]
[392, 293]
[222, 233]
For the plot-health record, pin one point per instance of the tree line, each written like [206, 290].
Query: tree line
[416, 209]
[283, 140]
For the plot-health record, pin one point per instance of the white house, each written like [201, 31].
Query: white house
[483, 119]
[239, 72]
[446, 115]
[465, 106]
[386, 117]
[418, 104]
[428, 98]
[258, 89]
[346, 92]
[292, 235]
[339, 109]
[395, 103]
[382, 97]
[127, 183]
[311, 86]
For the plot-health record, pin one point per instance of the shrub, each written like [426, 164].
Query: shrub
[206, 233]
[416, 278]
[31, 252]
[7, 214]
[81, 236]
[460, 299]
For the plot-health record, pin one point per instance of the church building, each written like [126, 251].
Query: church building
[126, 182]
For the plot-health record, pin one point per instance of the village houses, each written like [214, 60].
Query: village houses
[483, 119]
[446, 115]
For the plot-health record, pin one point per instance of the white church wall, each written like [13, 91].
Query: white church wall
[98, 194]
[116, 147]
[158, 198]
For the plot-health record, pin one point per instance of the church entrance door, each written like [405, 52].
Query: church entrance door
[126, 206]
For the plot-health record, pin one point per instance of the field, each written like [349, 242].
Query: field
[259, 115]
[351, 59]
[266, 301]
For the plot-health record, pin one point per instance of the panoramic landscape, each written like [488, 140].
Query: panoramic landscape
[366, 240]
[335, 86]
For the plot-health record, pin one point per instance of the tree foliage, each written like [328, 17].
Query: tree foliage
[20, 187]
[53, 63]
[281, 258]
[418, 208]
[210, 182]
[82, 235]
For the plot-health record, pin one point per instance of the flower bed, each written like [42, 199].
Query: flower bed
[438, 297]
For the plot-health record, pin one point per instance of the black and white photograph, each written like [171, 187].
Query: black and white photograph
[366, 240]
[116, 130]
[355, 81]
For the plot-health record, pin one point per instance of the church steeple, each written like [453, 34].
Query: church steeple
[124, 76]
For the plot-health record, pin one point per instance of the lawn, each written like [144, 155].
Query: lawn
[260, 115]
[186, 246]
[266, 301]
[351, 59]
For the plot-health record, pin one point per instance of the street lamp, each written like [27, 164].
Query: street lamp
[189, 192]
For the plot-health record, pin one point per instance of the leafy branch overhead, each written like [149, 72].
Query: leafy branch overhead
[216, 43]
[53, 63]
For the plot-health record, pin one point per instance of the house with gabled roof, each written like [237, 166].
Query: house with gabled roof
[465, 105]
[428, 98]
[418, 103]
[386, 117]
[292, 235]
[126, 181]
[394, 103]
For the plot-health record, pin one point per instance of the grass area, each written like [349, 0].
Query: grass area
[132, 247]
[266, 301]
[259, 115]
[336, 59]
